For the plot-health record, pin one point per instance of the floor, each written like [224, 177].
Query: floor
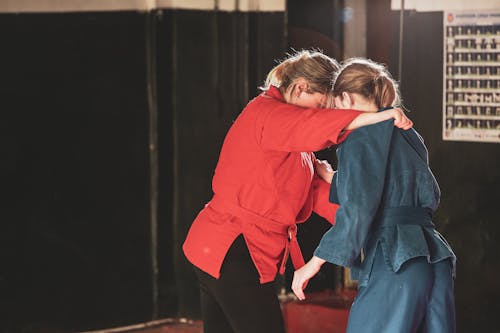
[325, 311]
[169, 325]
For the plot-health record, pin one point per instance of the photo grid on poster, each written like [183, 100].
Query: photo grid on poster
[471, 85]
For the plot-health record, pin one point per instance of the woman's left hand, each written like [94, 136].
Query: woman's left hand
[302, 276]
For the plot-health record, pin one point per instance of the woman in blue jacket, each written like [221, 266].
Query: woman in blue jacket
[384, 230]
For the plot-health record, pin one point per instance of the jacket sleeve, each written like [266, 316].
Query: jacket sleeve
[286, 127]
[362, 162]
[321, 205]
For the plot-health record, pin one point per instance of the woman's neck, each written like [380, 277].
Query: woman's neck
[365, 106]
[359, 102]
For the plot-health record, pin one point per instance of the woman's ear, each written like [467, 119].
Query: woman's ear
[301, 85]
[347, 99]
[343, 101]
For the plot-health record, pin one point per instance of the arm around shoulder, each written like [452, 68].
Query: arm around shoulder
[370, 118]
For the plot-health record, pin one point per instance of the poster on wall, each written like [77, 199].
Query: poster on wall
[471, 76]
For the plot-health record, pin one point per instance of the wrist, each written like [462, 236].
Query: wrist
[389, 114]
[317, 261]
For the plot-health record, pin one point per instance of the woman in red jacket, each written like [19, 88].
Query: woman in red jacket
[264, 184]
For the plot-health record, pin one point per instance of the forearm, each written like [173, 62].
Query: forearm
[369, 118]
[285, 127]
[362, 165]
[317, 262]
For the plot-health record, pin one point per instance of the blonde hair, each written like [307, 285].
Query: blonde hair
[315, 67]
[368, 79]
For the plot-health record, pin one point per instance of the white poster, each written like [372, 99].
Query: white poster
[471, 77]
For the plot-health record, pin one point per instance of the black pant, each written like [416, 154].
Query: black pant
[237, 302]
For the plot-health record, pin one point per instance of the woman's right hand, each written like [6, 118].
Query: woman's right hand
[324, 170]
[400, 118]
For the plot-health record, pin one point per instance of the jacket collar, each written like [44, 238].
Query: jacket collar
[274, 93]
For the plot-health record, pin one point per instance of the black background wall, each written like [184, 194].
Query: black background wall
[75, 244]
[468, 174]
[77, 95]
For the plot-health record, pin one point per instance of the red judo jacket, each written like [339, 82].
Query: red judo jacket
[264, 184]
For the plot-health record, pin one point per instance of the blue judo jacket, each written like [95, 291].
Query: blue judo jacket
[387, 194]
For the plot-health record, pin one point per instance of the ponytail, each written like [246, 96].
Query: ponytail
[385, 91]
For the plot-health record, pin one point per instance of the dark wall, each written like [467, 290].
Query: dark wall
[379, 36]
[75, 228]
[210, 65]
[467, 173]
[77, 95]
[318, 26]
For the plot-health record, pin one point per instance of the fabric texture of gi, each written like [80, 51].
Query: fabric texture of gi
[264, 183]
[387, 195]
